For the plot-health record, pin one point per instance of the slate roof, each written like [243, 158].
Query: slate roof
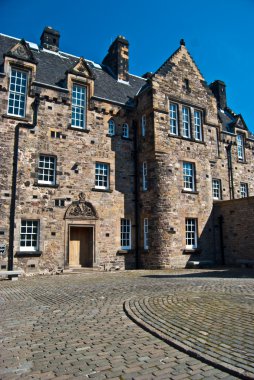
[51, 69]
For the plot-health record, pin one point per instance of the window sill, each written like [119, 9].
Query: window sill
[124, 251]
[28, 253]
[190, 192]
[126, 138]
[14, 117]
[187, 139]
[84, 130]
[109, 135]
[194, 251]
[55, 186]
[102, 190]
[241, 161]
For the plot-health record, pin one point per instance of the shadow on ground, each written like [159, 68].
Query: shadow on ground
[217, 273]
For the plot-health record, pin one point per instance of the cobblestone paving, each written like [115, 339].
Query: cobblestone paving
[74, 325]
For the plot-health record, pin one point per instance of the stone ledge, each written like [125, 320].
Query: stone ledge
[28, 253]
[13, 117]
[102, 190]
[84, 130]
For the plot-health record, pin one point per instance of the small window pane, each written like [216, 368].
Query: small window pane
[173, 119]
[216, 187]
[186, 122]
[17, 93]
[78, 106]
[47, 170]
[191, 233]
[188, 176]
[125, 130]
[102, 175]
[125, 234]
[29, 235]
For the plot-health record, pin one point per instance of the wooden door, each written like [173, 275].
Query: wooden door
[74, 251]
[81, 247]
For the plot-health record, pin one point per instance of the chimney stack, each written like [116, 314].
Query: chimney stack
[117, 58]
[219, 90]
[50, 39]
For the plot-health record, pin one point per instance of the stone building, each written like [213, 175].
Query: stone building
[101, 168]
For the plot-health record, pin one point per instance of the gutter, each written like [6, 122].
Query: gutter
[35, 107]
[137, 256]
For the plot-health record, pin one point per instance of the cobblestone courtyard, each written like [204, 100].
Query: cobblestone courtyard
[75, 325]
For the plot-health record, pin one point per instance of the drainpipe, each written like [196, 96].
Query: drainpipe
[35, 107]
[230, 171]
[221, 221]
[137, 259]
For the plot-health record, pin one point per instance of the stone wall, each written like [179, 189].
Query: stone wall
[234, 233]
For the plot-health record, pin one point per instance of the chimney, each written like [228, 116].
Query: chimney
[50, 39]
[117, 59]
[219, 90]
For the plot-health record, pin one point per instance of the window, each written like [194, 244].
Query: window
[189, 176]
[146, 233]
[173, 119]
[17, 93]
[216, 187]
[125, 130]
[59, 202]
[47, 170]
[197, 126]
[191, 233]
[186, 122]
[143, 125]
[29, 233]
[78, 106]
[145, 176]
[243, 190]
[125, 234]
[101, 176]
[240, 151]
[111, 127]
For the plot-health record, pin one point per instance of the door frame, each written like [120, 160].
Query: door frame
[79, 225]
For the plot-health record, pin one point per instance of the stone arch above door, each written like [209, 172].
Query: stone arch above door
[81, 209]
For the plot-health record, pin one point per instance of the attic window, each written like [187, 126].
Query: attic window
[186, 84]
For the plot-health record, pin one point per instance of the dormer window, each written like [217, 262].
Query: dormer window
[240, 149]
[78, 118]
[111, 127]
[17, 93]
[125, 130]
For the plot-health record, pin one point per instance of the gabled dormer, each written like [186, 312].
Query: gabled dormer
[180, 90]
[22, 52]
[80, 82]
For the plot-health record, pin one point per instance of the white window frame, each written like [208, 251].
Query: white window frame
[29, 235]
[216, 188]
[125, 130]
[173, 118]
[146, 246]
[244, 193]
[197, 125]
[17, 93]
[102, 171]
[240, 146]
[189, 176]
[191, 233]
[186, 122]
[111, 127]
[125, 233]
[47, 169]
[78, 109]
[144, 174]
[143, 125]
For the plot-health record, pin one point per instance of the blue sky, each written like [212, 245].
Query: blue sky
[219, 35]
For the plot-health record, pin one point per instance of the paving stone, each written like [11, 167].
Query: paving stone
[85, 333]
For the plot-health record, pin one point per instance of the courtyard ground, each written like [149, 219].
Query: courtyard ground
[121, 325]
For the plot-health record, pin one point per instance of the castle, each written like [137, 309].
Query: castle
[104, 169]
